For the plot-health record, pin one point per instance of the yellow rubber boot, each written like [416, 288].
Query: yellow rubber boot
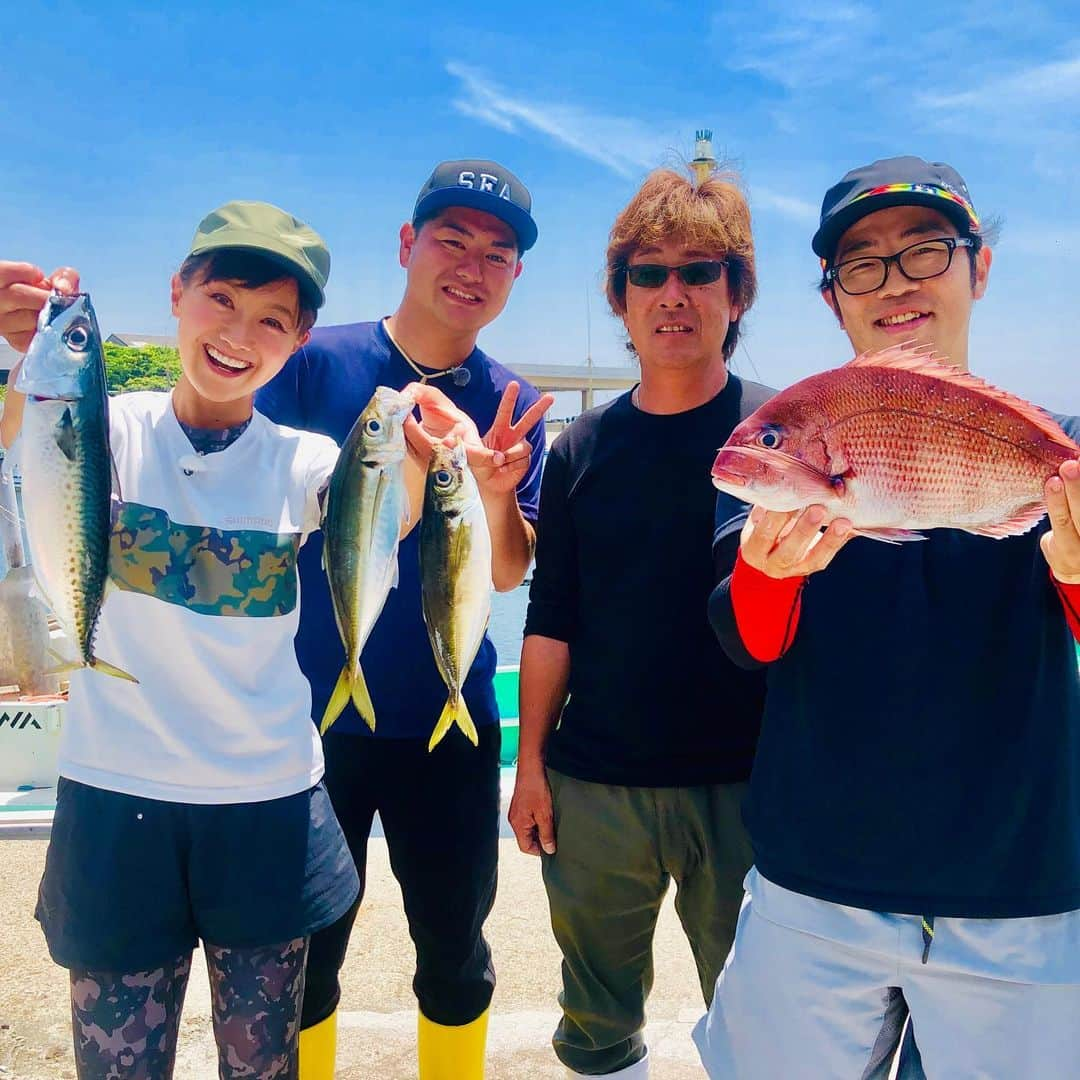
[450, 1053]
[318, 1048]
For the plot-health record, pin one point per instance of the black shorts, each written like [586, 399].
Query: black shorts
[132, 883]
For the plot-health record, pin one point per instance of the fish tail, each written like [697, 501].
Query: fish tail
[62, 666]
[465, 722]
[109, 669]
[445, 721]
[338, 699]
[455, 711]
[361, 699]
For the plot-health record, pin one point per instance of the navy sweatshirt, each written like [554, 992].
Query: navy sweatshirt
[920, 747]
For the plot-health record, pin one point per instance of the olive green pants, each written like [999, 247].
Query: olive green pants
[617, 848]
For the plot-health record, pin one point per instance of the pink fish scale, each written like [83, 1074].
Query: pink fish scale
[922, 452]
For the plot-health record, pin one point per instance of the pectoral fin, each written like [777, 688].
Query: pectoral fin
[890, 536]
[64, 434]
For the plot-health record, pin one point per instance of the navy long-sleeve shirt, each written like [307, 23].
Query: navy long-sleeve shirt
[920, 746]
[324, 387]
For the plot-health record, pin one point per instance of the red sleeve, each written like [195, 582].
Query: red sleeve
[1070, 601]
[766, 610]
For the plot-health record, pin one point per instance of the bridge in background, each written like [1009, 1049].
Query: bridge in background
[584, 379]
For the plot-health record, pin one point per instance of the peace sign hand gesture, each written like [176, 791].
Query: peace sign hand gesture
[508, 450]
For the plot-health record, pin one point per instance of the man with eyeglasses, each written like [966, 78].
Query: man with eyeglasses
[637, 733]
[915, 805]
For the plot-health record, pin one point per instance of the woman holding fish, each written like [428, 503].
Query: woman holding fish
[165, 781]
[915, 802]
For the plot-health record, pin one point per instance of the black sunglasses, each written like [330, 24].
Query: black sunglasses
[654, 275]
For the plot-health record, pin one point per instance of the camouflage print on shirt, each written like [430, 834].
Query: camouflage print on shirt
[208, 571]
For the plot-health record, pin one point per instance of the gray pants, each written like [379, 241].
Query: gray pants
[617, 850]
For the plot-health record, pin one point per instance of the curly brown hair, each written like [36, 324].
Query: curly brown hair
[712, 215]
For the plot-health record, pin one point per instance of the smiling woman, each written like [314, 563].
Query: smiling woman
[216, 743]
[234, 333]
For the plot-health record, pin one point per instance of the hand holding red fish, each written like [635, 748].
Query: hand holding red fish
[898, 442]
[1061, 545]
[792, 544]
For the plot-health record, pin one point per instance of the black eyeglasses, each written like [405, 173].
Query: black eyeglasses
[654, 275]
[926, 259]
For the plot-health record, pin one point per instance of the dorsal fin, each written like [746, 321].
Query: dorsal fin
[905, 355]
[923, 360]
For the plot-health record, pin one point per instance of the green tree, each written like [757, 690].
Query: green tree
[147, 367]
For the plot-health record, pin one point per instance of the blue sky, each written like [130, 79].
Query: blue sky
[122, 125]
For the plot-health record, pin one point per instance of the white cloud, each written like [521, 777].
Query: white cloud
[1053, 83]
[787, 205]
[799, 46]
[624, 146]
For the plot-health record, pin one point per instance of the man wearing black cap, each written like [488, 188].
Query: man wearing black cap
[915, 802]
[462, 253]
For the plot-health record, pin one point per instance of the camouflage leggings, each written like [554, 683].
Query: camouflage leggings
[125, 1025]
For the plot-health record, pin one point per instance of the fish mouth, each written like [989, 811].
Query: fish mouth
[404, 402]
[60, 302]
[726, 468]
[759, 464]
[224, 364]
[53, 397]
[468, 297]
[720, 475]
[901, 322]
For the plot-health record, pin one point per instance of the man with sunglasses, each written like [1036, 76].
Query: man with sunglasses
[642, 778]
[915, 806]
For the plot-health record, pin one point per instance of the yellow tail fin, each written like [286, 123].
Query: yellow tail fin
[455, 711]
[344, 688]
[97, 665]
[108, 669]
[361, 699]
[337, 700]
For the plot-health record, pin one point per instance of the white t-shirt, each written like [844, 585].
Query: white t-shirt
[204, 553]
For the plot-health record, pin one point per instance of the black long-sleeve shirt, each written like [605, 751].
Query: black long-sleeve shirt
[623, 574]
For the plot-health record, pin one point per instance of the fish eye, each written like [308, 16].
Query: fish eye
[77, 338]
[373, 427]
[770, 439]
[443, 478]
